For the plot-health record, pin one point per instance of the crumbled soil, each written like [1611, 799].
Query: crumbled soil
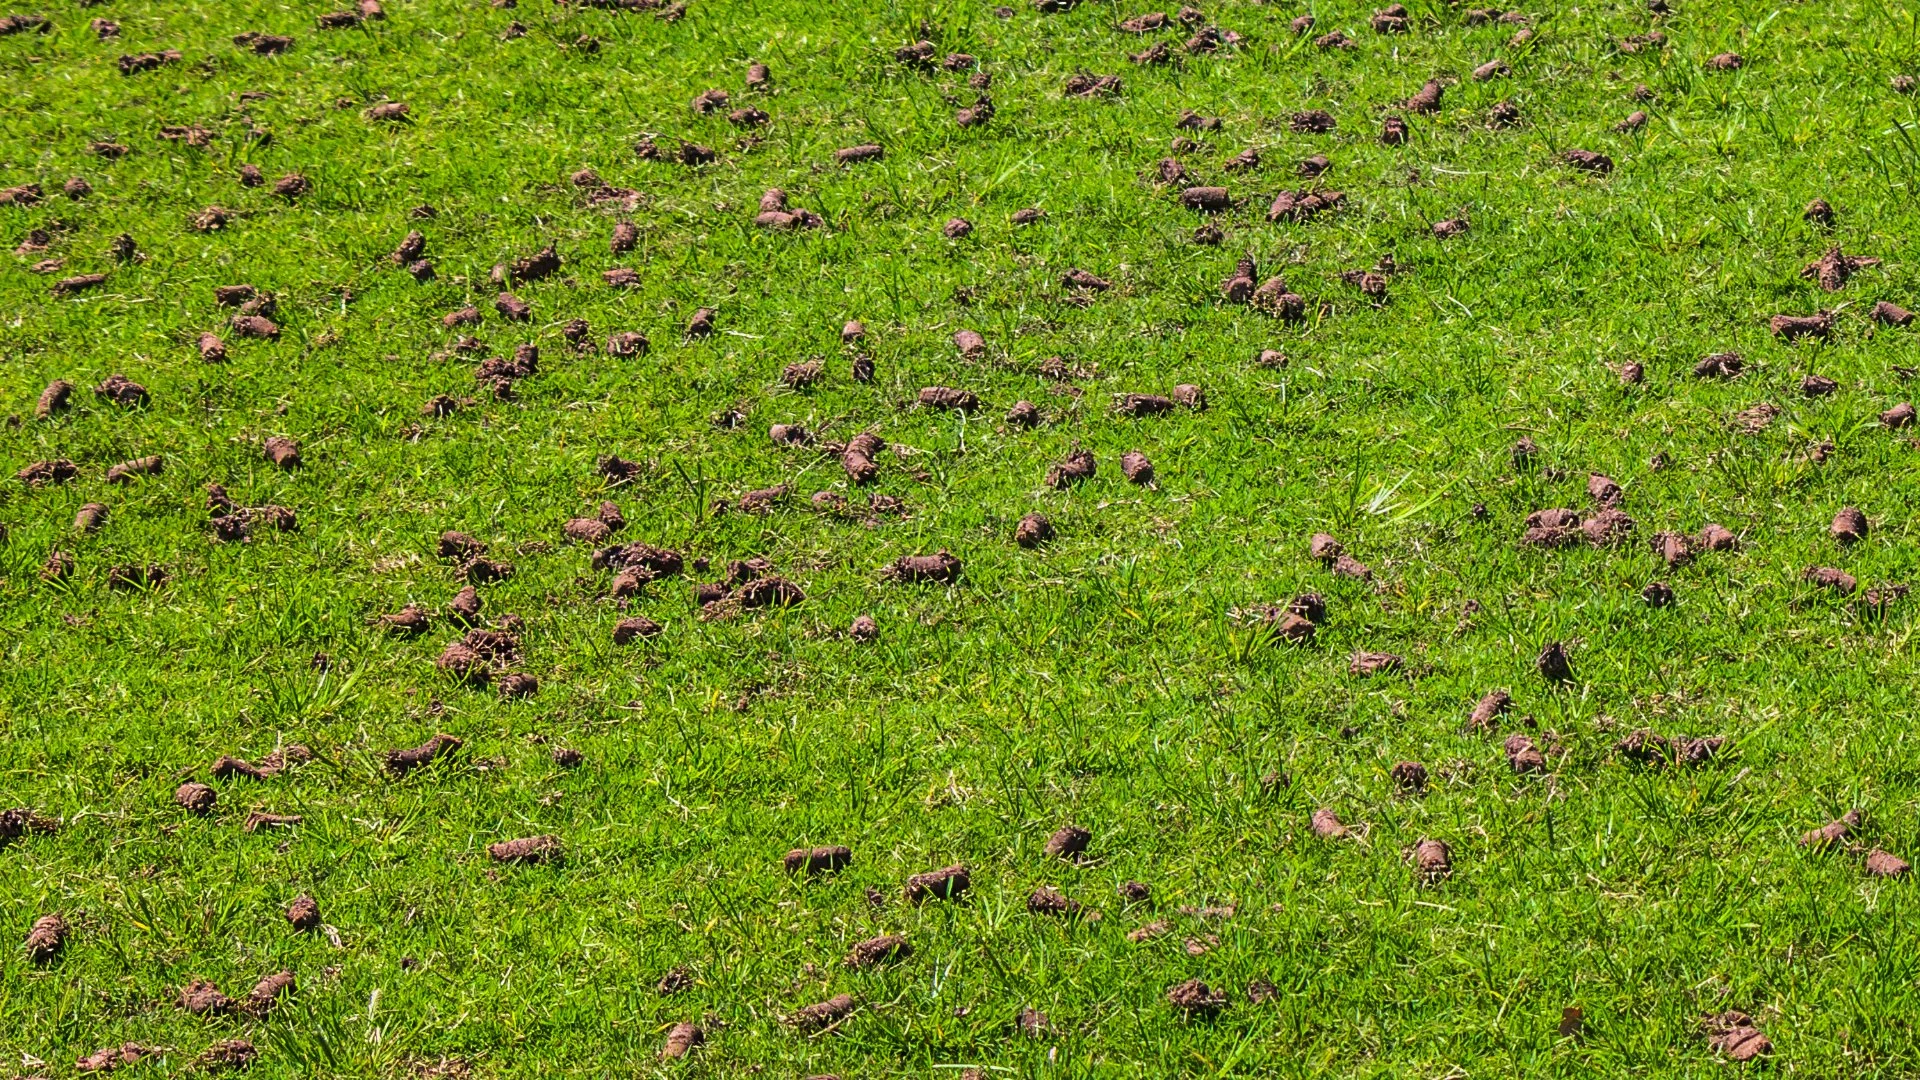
[1829, 578]
[939, 567]
[1891, 314]
[304, 913]
[1849, 526]
[1427, 99]
[682, 1038]
[1835, 831]
[1487, 713]
[532, 849]
[1024, 414]
[1324, 547]
[946, 883]
[202, 998]
[1033, 530]
[1900, 416]
[1523, 756]
[948, 399]
[46, 939]
[1369, 664]
[1047, 900]
[401, 762]
[1137, 405]
[1733, 1032]
[54, 399]
[1409, 776]
[268, 991]
[1303, 206]
[1136, 468]
[119, 390]
[970, 344]
[1588, 161]
[1795, 327]
[1432, 860]
[1196, 999]
[1657, 594]
[1883, 864]
[126, 471]
[1076, 467]
[824, 1014]
[113, 1057]
[1832, 269]
[1068, 842]
[42, 473]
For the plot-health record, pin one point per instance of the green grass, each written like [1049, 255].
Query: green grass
[1103, 680]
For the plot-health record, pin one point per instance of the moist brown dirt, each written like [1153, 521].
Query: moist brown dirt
[1829, 578]
[1849, 526]
[1523, 756]
[1047, 900]
[1136, 468]
[1891, 314]
[1076, 467]
[1795, 327]
[1033, 530]
[401, 762]
[819, 860]
[825, 1014]
[1409, 776]
[1137, 405]
[948, 399]
[43, 473]
[1588, 161]
[1657, 594]
[304, 913]
[113, 1057]
[939, 567]
[1733, 1033]
[1554, 664]
[1884, 864]
[202, 998]
[1024, 414]
[1900, 416]
[532, 849]
[268, 991]
[946, 883]
[1369, 664]
[1068, 842]
[1196, 999]
[1432, 861]
[54, 399]
[1835, 831]
[127, 471]
[682, 1038]
[1487, 713]
[46, 939]
[1427, 99]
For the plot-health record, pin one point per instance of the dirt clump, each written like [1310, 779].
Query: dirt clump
[53, 400]
[1733, 1033]
[1196, 999]
[1136, 468]
[946, 883]
[529, 850]
[939, 567]
[1657, 594]
[1554, 664]
[1835, 831]
[1077, 466]
[1603, 490]
[1900, 416]
[1207, 200]
[1409, 776]
[403, 761]
[119, 390]
[1033, 530]
[1427, 99]
[304, 913]
[1047, 900]
[1795, 327]
[1884, 864]
[45, 940]
[113, 1057]
[682, 1038]
[1488, 711]
[1588, 161]
[42, 473]
[948, 399]
[90, 519]
[1327, 825]
[1432, 861]
[282, 451]
[1891, 314]
[1833, 268]
[1369, 664]
[1829, 578]
[202, 998]
[1303, 206]
[1523, 756]
[268, 991]
[824, 1014]
[1137, 405]
[1068, 842]
[1849, 526]
[1024, 414]
[126, 471]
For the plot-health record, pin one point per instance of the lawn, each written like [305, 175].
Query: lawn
[1136, 674]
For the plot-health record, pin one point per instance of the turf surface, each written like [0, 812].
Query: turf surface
[1119, 678]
